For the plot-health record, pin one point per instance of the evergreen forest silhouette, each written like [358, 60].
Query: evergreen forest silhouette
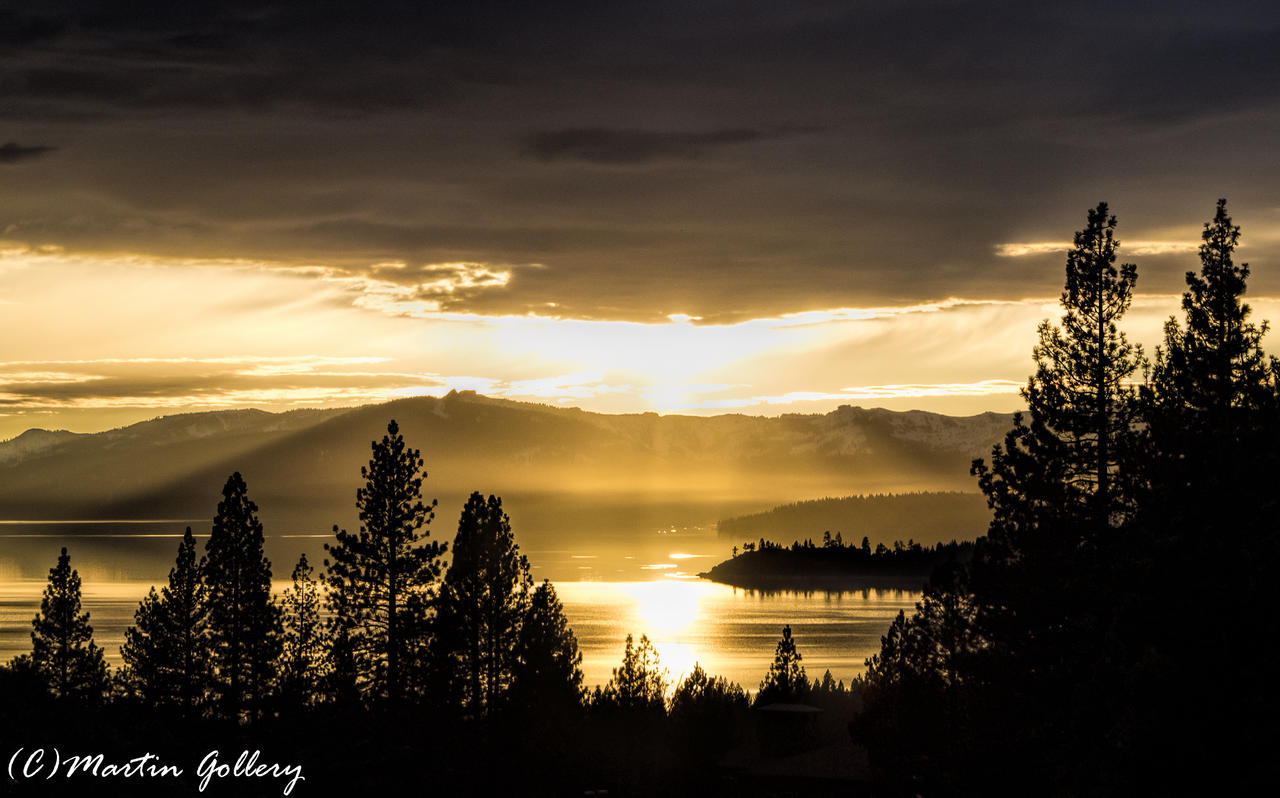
[834, 565]
[1069, 651]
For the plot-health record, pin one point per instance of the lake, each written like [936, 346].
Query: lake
[611, 585]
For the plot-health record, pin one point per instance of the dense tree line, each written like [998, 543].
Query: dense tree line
[834, 564]
[392, 629]
[1077, 652]
[468, 669]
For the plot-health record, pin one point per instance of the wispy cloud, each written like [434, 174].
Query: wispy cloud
[915, 390]
[396, 288]
[867, 392]
[399, 289]
[886, 312]
[1023, 249]
[203, 382]
[578, 385]
[261, 365]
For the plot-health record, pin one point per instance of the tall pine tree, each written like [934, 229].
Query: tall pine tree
[548, 667]
[62, 647]
[1073, 457]
[483, 600]
[1060, 485]
[1211, 403]
[1211, 410]
[244, 622]
[1060, 490]
[786, 681]
[1209, 518]
[1018, 638]
[382, 580]
[1212, 372]
[166, 651]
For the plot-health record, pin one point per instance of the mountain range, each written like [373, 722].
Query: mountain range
[558, 469]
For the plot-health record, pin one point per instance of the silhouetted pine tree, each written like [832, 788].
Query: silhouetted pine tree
[1213, 373]
[1072, 456]
[935, 640]
[1044, 580]
[1060, 483]
[166, 651]
[786, 682]
[1212, 417]
[303, 668]
[828, 684]
[548, 670]
[62, 647]
[1210, 518]
[639, 684]
[483, 600]
[1211, 402]
[382, 580]
[1019, 638]
[544, 709]
[244, 622]
[627, 718]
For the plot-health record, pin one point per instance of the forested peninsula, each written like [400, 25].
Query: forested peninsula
[833, 565]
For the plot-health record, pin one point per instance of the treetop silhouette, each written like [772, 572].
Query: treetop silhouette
[483, 602]
[166, 652]
[62, 647]
[382, 580]
[244, 622]
[786, 682]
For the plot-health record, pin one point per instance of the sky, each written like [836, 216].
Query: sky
[688, 206]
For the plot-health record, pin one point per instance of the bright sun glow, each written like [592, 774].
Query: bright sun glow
[672, 613]
[668, 611]
[665, 608]
[76, 354]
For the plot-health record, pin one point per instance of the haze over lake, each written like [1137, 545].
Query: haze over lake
[610, 586]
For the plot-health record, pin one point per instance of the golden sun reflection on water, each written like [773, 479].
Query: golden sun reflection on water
[730, 632]
[668, 611]
[665, 607]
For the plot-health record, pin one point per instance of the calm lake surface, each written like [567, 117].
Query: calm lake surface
[611, 585]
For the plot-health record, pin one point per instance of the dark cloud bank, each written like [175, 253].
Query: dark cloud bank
[602, 145]
[12, 152]
[723, 159]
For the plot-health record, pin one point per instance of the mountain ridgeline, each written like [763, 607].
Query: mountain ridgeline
[561, 468]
